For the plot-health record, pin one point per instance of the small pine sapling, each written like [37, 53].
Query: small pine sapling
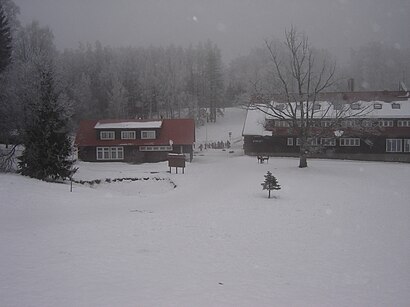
[270, 183]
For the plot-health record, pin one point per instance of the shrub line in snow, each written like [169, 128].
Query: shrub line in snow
[109, 180]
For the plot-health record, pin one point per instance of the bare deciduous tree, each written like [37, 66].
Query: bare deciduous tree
[301, 74]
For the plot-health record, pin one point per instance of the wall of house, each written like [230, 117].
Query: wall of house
[87, 153]
[266, 145]
[371, 148]
[390, 157]
[132, 154]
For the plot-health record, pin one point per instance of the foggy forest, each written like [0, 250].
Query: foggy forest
[95, 80]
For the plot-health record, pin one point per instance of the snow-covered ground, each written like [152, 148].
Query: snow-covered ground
[337, 234]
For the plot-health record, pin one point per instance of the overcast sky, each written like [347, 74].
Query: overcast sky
[235, 25]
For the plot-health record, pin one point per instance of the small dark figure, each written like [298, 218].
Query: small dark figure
[200, 147]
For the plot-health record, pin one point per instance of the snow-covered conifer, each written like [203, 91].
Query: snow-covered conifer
[46, 141]
[270, 183]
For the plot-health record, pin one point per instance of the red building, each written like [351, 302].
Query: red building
[380, 132]
[135, 141]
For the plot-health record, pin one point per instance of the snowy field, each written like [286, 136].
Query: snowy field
[337, 234]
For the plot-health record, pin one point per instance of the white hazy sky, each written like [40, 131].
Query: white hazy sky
[235, 25]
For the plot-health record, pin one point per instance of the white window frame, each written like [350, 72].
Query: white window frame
[290, 142]
[109, 153]
[394, 145]
[403, 123]
[282, 124]
[328, 141]
[385, 123]
[350, 123]
[128, 135]
[156, 148]
[406, 145]
[367, 123]
[148, 134]
[107, 135]
[310, 141]
[313, 141]
[349, 142]
[378, 106]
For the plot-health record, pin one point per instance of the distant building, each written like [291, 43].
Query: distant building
[134, 141]
[380, 132]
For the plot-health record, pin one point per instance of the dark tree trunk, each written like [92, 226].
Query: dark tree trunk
[302, 158]
[269, 194]
[302, 161]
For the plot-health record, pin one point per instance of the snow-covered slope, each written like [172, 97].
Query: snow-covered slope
[335, 235]
[232, 122]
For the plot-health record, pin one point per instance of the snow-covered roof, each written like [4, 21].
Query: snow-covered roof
[256, 116]
[365, 109]
[254, 122]
[180, 131]
[129, 125]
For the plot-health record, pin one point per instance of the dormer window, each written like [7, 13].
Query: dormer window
[355, 106]
[280, 106]
[148, 135]
[378, 106]
[128, 135]
[107, 135]
[338, 105]
[395, 105]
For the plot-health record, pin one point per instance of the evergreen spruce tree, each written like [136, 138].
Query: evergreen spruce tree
[5, 40]
[270, 183]
[46, 141]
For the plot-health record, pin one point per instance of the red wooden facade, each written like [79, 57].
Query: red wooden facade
[382, 133]
[135, 141]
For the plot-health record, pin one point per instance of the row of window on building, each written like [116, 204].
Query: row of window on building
[392, 145]
[346, 123]
[341, 106]
[117, 152]
[128, 135]
[110, 153]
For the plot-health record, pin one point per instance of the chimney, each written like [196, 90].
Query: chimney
[402, 87]
[350, 85]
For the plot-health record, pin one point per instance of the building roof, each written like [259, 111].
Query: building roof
[180, 131]
[370, 106]
[104, 124]
[255, 121]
